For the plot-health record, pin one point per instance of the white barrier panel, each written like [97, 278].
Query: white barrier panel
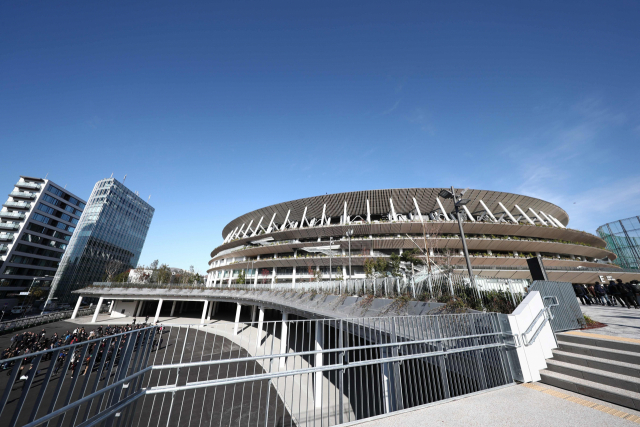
[526, 321]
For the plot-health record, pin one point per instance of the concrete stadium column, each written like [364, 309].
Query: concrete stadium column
[139, 310]
[235, 326]
[318, 375]
[155, 319]
[211, 304]
[204, 312]
[173, 308]
[215, 308]
[181, 307]
[293, 278]
[260, 322]
[111, 306]
[253, 313]
[77, 307]
[284, 331]
[388, 382]
[95, 314]
[273, 275]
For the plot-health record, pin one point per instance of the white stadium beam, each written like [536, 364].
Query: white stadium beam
[239, 231]
[284, 224]
[415, 203]
[368, 212]
[446, 217]
[488, 211]
[248, 229]
[304, 216]
[524, 215]
[257, 227]
[345, 217]
[466, 209]
[324, 210]
[553, 224]
[508, 213]
[393, 211]
[538, 216]
[268, 230]
[557, 222]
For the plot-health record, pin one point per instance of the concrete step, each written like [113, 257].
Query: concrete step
[596, 375]
[598, 342]
[596, 390]
[600, 352]
[608, 365]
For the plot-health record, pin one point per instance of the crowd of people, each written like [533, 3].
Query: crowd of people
[27, 343]
[611, 294]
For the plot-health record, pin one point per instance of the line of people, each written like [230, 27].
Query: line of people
[27, 343]
[611, 294]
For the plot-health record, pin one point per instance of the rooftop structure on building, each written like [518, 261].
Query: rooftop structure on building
[296, 242]
[36, 225]
[623, 239]
[109, 239]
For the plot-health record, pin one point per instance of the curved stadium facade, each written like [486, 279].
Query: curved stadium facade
[295, 242]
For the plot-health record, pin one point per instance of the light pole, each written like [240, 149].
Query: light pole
[459, 201]
[349, 234]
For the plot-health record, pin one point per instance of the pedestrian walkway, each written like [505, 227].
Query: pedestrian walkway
[620, 321]
[525, 405]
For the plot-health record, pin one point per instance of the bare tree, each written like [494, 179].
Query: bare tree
[112, 268]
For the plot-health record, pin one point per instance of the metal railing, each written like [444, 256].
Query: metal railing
[9, 226]
[21, 205]
[28, 322]
[7, 214]
[22, 194]
[285, 373]
[32, 185]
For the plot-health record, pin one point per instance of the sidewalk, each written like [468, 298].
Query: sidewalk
[620, 321]
[516, 405]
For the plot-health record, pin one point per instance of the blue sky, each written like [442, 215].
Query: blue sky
[217, 110]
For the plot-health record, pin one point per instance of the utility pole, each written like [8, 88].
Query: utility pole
[457, 203]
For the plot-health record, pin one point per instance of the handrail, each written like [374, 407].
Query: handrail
[548, 316]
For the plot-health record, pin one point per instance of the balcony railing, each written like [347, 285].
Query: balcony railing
[9, 226]
[18, 205]
[3, 248]
[6, 214]
[31, 185]
[5, 237]
[22, 194]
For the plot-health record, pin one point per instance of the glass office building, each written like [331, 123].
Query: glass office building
[623, 239]
[108, 240]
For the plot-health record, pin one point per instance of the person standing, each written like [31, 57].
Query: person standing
[600, 294]
[616, 293]
[627, 294]
[581, 294]
[636, 289]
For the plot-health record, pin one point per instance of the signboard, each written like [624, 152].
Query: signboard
[602, 279]
[23, 293]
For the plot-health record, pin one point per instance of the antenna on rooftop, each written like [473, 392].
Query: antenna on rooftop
[149, 197]
[111, 175]
[45, 177]
[125, 178]
[65, 186]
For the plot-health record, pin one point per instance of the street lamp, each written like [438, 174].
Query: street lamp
[459, 201]
[349, 234]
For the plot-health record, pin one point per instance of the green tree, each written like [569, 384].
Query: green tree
[164, 274]
[241, 277]
[394, 265]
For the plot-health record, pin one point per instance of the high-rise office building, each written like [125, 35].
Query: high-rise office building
[108, 241]
[36, 224]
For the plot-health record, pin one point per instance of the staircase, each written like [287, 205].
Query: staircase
[600, 368]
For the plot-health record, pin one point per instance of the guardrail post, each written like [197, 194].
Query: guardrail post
[442, 362]
[341, 375]
[319, 343]
[235, 326]
[283, 337]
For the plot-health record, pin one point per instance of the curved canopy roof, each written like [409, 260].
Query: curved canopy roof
[380, 204]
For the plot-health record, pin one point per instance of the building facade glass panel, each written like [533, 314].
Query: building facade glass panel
[108, 240]
[623, 239]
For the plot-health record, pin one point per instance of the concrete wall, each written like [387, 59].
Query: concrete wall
[128, 307]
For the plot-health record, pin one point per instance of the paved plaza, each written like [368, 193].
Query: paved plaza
[620, 321]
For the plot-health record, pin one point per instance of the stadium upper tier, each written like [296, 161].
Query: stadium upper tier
[296, 241]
